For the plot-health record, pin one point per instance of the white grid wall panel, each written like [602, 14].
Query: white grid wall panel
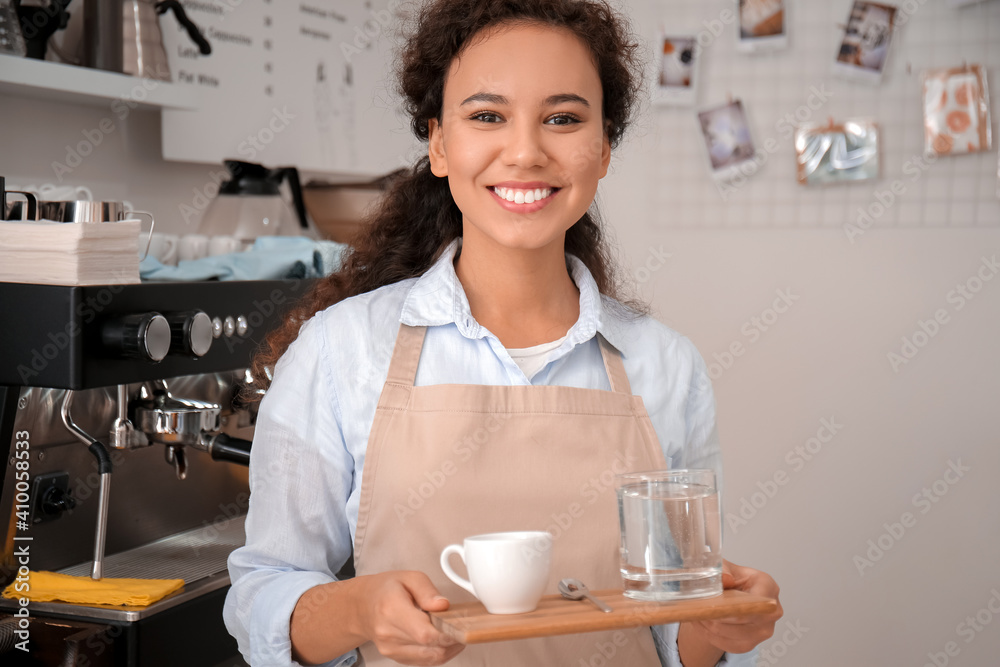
[953, 191]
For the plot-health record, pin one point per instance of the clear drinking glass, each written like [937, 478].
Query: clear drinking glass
[671, 534]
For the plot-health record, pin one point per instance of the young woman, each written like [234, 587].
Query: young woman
[470, 370]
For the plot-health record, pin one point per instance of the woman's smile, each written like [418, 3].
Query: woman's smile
[523, 197]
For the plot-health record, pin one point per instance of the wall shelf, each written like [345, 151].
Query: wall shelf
[25, 77]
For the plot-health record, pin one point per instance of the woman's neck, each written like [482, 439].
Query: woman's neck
[524, 297]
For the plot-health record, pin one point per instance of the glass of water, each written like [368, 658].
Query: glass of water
[671, 532]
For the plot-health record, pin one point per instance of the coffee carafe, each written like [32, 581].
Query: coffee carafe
[250, 204]
[124, 36]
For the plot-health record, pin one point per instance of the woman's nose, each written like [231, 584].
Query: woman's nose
[523, 147]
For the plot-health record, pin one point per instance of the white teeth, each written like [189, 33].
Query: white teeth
[522, 196]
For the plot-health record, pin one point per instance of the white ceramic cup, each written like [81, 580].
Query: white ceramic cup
[53, 192]
[164, 248]
[508, 572]
[192, 246]
[223, 245]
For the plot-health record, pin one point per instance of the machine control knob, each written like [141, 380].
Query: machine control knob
[190, 333]
[229, 326]
[216, 327]
[144, 336]
[241, 326]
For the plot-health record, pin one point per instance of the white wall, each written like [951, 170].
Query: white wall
[826, 357]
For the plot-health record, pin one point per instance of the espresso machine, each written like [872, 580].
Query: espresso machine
[126, 434]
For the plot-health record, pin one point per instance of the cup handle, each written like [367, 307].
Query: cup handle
[448, 551]
[152, 225]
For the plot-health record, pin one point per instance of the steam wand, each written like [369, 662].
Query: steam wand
[100, 452]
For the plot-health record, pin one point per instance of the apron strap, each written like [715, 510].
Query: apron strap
[614, 367]
[406, 355]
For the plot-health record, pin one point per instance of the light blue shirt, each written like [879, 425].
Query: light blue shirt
[312, 429]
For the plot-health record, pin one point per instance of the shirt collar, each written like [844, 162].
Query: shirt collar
[438, 298]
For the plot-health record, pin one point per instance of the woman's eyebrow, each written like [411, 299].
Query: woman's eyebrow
[551, 100]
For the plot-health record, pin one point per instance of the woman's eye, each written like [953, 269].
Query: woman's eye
[563, 119]
[486, 117]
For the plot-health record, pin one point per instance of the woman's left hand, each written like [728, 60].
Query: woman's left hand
[739, 635]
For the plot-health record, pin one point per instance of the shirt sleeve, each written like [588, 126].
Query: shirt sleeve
[297, 534]
[701, 450]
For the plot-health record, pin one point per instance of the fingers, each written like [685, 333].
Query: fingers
[735, 638]
[739, 635]
[424, 594]
[401, 628]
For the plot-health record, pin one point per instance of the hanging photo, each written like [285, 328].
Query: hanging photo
[956, 110]
[865, 46]
[677, 76]
[827, 153]
[761, 25]
[727, 138]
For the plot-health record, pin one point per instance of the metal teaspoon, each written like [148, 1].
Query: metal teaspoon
[575, 590]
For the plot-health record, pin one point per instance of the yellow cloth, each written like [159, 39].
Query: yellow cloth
[53, 587]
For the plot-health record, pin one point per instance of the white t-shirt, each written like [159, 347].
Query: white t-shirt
[533, 359]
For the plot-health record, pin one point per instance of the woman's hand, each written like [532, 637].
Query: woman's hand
[394, 617]
[738, 635]
[388, 609]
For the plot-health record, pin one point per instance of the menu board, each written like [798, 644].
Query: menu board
[305, 83]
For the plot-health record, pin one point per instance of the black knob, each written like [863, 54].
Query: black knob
[145, 336]
[190, 333]
[56, 500]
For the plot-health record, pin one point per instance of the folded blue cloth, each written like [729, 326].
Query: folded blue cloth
[270, 258]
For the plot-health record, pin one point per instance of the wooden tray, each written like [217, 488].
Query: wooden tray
[470, 623]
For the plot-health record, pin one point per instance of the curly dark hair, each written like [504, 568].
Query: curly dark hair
[417, 218]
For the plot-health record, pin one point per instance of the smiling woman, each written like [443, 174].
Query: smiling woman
[471, 369]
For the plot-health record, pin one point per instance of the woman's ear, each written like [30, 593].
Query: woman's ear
[605, 150]
[435, 148]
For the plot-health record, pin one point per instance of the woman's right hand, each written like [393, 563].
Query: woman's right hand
[388, 609]
[393, 616]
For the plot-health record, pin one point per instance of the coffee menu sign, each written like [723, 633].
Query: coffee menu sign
[289, 82]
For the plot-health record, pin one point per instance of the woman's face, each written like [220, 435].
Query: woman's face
[521, 137]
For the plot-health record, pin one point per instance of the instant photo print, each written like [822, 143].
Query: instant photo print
[827, 153]
[727, 139]
[956, 110]
[677, 77]
[864, 48]
[761, 25]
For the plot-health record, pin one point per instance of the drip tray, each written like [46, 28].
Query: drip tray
[197, 556]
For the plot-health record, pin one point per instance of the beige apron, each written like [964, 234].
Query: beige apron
[449, 461]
